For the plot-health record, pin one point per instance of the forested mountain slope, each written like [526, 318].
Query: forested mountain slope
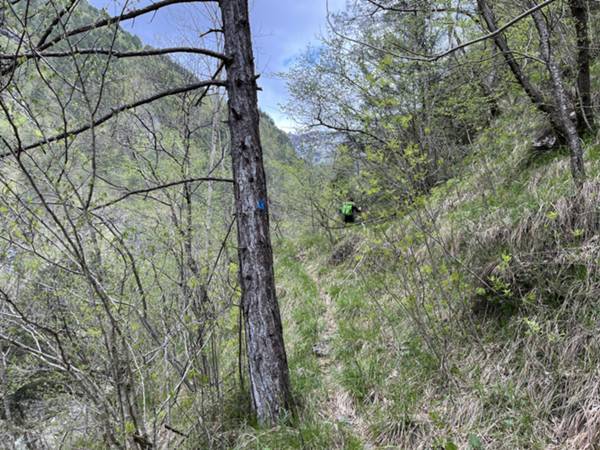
[118, 259]
[469, 322]
[457, 310]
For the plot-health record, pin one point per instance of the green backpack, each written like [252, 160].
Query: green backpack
[347, 208]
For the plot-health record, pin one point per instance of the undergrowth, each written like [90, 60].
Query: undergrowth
[470, 322]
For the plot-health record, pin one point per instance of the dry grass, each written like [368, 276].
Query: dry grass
[527, 380]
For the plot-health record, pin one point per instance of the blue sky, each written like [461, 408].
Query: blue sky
[282, 29]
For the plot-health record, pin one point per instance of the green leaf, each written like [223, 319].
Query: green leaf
[475, 443]
[450, 446]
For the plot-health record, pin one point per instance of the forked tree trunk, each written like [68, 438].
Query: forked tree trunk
[557, 110]
[535, 95]
[269, 375]
[569, 127]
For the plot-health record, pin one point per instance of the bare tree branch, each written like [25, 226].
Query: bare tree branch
[118, 19]
[434, 58]
[413, 10]
[157, 188]
[113, 113]
[96, 25]
[116, 54]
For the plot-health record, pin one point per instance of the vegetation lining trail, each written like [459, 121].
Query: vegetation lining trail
[454, 306]
[338, 407]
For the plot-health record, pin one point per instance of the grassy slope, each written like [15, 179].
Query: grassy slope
[468, 323]
[421, 368]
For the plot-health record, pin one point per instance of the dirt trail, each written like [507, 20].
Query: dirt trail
[338, 408]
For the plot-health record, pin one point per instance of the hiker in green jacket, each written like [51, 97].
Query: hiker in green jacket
[349, 210]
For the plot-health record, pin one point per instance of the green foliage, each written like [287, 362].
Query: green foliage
[142, 293]
[458, 213]
[410, 351]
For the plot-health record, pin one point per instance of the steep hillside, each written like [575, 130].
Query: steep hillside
[458, 309]
[118, 267]
[468, 321]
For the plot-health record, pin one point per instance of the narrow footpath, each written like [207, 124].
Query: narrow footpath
[338, 407]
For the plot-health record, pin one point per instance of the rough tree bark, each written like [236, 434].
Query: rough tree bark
[267, 361]
[568, 126]
[585, 111]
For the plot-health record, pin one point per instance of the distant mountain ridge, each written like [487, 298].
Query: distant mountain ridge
[317, 146]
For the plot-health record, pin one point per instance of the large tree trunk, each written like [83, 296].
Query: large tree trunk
[269, 375]
[585, 111]
[562, 101]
